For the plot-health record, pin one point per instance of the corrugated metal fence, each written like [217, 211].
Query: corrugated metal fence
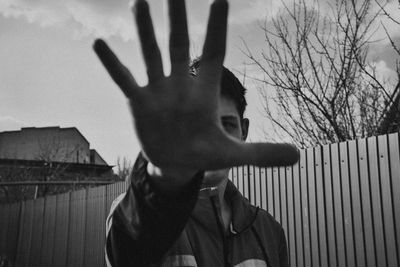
[340, 206]
[61, 230]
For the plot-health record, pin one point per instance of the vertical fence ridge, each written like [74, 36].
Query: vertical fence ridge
[394, 148]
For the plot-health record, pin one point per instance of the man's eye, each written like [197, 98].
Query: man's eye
[229, 125]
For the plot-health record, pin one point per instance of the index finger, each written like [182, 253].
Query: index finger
[118, 72]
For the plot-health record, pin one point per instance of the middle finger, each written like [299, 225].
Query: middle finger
[179, 39]
[214, 47]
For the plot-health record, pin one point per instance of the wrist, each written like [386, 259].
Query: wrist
[169, 180]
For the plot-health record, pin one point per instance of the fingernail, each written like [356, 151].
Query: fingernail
[132, 3]
[99, 46]
[137, 3]
[97, 43]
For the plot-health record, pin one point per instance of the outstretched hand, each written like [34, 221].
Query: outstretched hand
[175, 116]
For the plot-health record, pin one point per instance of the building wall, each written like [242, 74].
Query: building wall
[95, 158]
[50, 144]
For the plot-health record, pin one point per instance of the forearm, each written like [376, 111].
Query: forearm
[148, 219]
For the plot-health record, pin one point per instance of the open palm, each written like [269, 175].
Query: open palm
[175, 117]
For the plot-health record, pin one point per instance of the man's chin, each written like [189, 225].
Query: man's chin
[214, 178]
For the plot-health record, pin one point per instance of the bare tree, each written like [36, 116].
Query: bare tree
[16, 173]
[326, 90]
[124, 168]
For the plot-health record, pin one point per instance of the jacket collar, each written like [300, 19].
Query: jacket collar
[243, 214]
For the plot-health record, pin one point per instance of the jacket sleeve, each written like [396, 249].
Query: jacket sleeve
[143, 223]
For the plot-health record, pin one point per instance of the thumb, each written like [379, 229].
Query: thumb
[269, 154]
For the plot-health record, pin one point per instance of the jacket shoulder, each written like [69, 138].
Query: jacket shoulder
[269, 229]
[264, 217]
[273, 237]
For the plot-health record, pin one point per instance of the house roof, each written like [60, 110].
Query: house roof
[48, 128]
[54, 130]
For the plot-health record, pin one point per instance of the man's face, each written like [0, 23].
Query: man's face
[233, 126]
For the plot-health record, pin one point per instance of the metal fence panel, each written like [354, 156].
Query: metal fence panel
[355, 190]
[339, 206]
[320, 206]
[13, 231]
[61, 231]
[270, 191]
[329, 208]
[112, 192]
[37, 230]
[232, 175]
[387, 209]
[102, 227]
[95, 229]
[394, 150]
[77, 224]
[240, 179]
[25, 234]
[312, 205]
[263, 188]
[376, 201]
[109, 198]
[252, 188]
[5, 210]
[246, 180]
[283, 200]
[49, 231]
[366, 204]
[276, 192]
[291, 231]
[257, 187]
[298, 215]
[347, 207]
[305, 208]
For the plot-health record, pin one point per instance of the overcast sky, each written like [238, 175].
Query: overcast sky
[49, 75]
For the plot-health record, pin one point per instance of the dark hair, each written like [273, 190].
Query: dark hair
[231, 87]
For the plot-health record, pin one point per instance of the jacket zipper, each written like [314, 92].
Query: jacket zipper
[222, 232]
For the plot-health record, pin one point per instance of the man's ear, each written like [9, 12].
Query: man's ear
[245, 128]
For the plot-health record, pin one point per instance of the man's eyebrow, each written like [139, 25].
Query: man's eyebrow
[229, 118]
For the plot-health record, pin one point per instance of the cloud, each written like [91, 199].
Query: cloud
[385, 75]
[9, 123]
[84, 17]
[256, 10]
[253, 10]
[99, 22]
[107, 18]
[42, 14]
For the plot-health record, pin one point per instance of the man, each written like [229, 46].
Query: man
[191, 131]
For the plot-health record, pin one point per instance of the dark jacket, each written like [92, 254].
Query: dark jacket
[145, 228]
